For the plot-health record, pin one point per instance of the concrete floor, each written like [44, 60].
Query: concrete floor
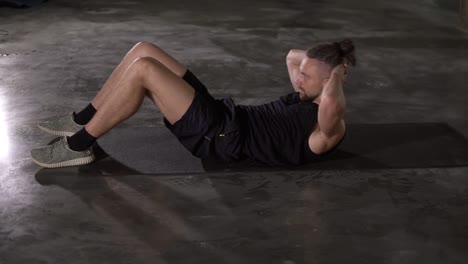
[412, 69]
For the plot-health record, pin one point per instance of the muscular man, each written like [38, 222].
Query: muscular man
[289, 131]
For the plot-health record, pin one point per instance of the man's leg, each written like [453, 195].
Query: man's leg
[145, 76]
[68, 125]
[141, 49]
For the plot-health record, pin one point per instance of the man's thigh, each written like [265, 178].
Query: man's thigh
[169, 92]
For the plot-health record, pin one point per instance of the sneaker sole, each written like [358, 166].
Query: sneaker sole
[68, 163]
[56, 132]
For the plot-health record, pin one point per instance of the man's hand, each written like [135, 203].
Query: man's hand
[334, 85]
[293, 61]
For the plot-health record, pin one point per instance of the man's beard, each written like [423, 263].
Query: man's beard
[305, 98]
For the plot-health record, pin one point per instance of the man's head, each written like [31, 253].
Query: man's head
[316, 68]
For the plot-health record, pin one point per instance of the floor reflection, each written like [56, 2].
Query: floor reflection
[4, 140]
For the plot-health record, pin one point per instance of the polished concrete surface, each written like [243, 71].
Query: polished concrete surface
[411, 75]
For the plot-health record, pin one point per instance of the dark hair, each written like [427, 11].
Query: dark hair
[334, 53]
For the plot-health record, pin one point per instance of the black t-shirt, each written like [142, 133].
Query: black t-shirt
[277, 133]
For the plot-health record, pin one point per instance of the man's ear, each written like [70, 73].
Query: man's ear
[325, 81]
[345, 69]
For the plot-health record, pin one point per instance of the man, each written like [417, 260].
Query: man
[288, 131]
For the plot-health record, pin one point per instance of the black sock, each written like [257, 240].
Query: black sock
[83, 117]
[81, 140]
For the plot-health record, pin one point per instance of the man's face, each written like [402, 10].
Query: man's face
[313, 75]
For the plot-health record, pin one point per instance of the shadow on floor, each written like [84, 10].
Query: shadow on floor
[216, 217]
[161, 226]
[366, 146]
[381, 146]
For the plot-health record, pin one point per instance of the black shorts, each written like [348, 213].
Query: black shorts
[210, 127]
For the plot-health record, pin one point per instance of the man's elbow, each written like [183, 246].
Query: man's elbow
[328, 142]
[295, 56]
[289, 57]
[320, 151]
[322, 146]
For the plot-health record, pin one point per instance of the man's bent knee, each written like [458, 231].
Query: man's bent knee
[145, 64]
[143, 48]
[146, 49]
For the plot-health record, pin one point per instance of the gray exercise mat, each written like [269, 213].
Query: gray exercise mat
[366, 146]
[20, 3]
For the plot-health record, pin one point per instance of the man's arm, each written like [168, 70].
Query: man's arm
[293, 61]
[331, 125]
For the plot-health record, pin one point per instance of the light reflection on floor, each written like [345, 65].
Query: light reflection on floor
[4, 140]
